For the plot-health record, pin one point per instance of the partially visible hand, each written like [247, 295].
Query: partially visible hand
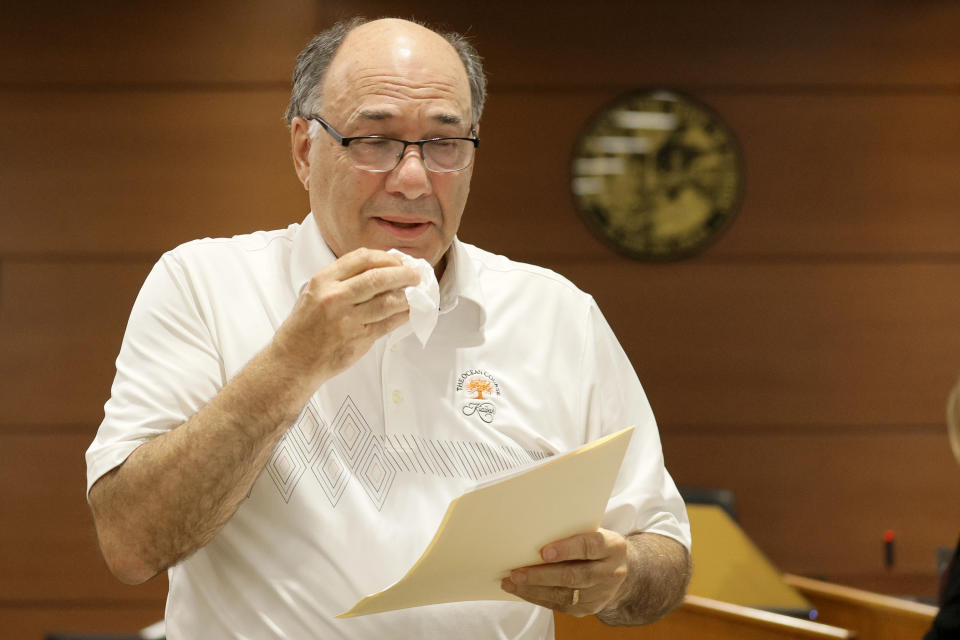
[342, 311]
[594, 564]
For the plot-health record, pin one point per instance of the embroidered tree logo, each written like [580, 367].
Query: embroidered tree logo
[479, 386]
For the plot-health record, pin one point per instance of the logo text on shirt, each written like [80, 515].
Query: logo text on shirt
[479, 389]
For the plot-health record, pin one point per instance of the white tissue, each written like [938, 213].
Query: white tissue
[424, 299]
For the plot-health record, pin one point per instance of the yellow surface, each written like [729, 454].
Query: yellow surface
[501, 526]
[728, 567]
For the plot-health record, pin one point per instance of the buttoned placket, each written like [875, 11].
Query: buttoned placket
[393, 398]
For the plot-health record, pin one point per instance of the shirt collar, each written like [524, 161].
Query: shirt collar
[310, 253]
[461, 281]
[460, 278]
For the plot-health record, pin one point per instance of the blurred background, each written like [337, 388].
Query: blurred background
[802, 361]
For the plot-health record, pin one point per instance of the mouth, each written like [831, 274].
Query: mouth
[403, 228]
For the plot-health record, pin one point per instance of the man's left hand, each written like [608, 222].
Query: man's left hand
[582, 574]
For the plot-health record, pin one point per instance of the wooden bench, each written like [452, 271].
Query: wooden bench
[871, 615]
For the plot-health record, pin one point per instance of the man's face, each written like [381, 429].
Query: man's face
[398, 80]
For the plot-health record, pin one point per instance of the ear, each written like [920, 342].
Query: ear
[300, 143]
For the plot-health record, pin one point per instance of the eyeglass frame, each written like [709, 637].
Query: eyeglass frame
[345, 142]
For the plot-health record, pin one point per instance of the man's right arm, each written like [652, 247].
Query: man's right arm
[174, 493]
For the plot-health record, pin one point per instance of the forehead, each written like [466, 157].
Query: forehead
[393, 69]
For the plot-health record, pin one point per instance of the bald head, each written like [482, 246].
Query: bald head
[390, 60]
[402, 41]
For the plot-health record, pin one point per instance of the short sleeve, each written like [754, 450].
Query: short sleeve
[645, 497]
[168, 368]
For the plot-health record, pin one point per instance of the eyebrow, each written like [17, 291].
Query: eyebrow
[380, 115]
[372, 114]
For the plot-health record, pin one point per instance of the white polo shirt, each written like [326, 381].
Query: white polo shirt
[521, 365]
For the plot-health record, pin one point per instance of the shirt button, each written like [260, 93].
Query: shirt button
[397, 397]
[393, 347]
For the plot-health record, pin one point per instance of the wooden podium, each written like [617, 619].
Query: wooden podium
[728, 567]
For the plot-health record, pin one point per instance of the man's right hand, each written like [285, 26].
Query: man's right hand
[341, 312]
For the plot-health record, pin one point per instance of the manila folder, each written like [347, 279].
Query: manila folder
[502, 525]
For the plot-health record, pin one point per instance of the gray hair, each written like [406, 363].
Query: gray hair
[313, 61]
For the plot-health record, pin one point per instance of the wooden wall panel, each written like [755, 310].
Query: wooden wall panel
[568, 45]
[131, 43]
[35, 622]
[61, 324]
[50, 549]
[786, 344]
[142, 171]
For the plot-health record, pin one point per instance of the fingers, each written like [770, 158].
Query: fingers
[383, 307]
[375, 281]
[365, 264]
[363, 274]
[360, 260]
[595, 545]
[388, 324]
[557, 598]
[591, 564]
[569, 575]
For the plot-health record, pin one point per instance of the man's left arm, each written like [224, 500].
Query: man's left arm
[629, 580]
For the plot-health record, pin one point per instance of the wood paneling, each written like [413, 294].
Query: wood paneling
[35, 622]
[142, 171]
[61, 324]
[50, 548]
[560, 45]
[818, 500]
[786, 344]
[110, 42]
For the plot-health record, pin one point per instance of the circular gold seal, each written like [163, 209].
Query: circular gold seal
[657, 175]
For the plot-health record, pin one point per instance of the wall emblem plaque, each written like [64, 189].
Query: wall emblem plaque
[657, 175]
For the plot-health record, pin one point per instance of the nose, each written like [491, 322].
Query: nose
[410, 178]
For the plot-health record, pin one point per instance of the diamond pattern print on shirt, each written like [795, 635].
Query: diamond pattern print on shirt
[351, 431]
[350, 448]
[376, 474]
[332, 475]
[309, 432]
[286, 468]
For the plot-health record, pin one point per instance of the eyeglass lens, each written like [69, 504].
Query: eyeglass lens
[378, 154]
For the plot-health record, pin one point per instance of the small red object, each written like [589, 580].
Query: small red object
[888, 558]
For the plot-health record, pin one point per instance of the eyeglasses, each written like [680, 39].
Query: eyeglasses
[380, 154]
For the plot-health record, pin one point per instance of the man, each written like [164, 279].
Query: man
[284, 352]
